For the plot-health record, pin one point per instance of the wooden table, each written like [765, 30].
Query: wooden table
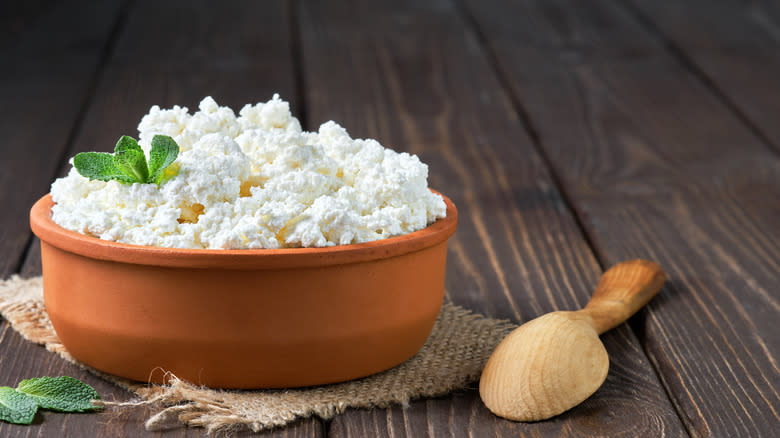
[571, 135]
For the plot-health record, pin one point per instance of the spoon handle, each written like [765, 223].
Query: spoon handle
[623, 290]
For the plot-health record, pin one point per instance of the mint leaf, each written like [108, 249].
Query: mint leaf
[63, 393]
[99, 166]
[128, 163]
[163, 153]
[129, 159]
[16, 407]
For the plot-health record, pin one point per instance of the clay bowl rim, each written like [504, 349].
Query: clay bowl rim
[284, 258]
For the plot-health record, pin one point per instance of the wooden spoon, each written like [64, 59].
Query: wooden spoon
[554, 362]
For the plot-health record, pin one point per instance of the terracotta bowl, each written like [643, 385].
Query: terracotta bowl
[242, 318]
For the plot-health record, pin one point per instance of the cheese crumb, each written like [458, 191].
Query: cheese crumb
[254, 181]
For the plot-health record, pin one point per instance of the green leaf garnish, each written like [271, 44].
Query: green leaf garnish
[128, 163]
[64, 393]
[100, 166]
[16, 407]
[163, 153]
[129, 159]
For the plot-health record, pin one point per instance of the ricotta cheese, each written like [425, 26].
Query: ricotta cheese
[254, 181]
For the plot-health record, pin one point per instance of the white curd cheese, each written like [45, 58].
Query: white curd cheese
[254, 181]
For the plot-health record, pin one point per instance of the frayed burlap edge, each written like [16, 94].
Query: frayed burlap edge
[453, 356]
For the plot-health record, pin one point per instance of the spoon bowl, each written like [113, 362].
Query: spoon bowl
[556, 361]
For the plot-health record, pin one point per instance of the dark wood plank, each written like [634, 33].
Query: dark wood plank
[656, 166]
[767, 14]
[16, 18]
[52, 53]
[48, 68]
[19, 359]
[413, 76]
[736, 45]
[176, 53]
[170, 53]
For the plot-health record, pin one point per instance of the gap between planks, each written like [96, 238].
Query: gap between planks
[527, 124]
[533, 134]
[89, 96]
[678, 53]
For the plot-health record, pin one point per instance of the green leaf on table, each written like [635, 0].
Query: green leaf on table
[129, 159]
[63, 393]
[163, 153]
[99, 166]
[16, 407]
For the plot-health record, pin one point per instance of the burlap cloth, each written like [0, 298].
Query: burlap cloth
[453, 356]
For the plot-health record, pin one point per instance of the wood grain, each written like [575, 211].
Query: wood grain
[735, 46]
[552, 363]
[623, 290]
[661, 154]
[658, 167]
[51, 57]
[766, 12]
[18, 17]
[414, 76]
[54, 52]
[169, 53]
